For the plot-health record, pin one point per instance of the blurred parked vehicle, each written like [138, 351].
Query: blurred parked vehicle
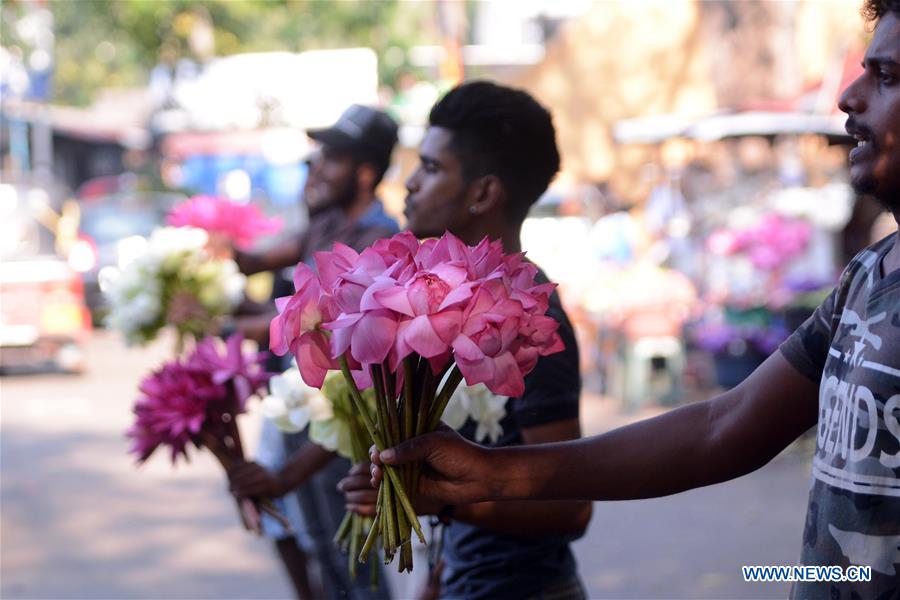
[43, 317]
[112, 231]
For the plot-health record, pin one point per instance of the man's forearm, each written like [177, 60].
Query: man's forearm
[306, 462]
[693, 446]
[284, 255]
[651, 458]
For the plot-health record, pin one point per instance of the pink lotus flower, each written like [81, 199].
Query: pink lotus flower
[500, 342]
[432, 315]
[173, 409]
[240, 223]
[297, 327]
[184, 398]
[244, 372]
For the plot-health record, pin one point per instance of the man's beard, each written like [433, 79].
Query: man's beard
[344, 199]
[346, 196]
[868, 186]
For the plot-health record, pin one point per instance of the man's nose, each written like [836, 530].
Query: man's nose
[412, 183]
[852, 100]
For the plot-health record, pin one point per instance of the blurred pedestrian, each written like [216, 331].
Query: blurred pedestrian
[343, 207]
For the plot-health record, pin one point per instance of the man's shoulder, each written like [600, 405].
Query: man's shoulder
[376, 219]
[867, 259]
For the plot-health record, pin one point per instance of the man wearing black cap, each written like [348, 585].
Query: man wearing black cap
[340, 193]
[340, 196]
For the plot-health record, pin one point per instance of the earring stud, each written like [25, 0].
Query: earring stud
[473, 210]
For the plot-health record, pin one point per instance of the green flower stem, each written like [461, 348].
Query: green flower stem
[381, 413]
[354, 545]
[379, 443]
[373, 577]
[408, 399]
[403, 528]
[390, 379]
[437, 410]
[389, 523]
[374, 530]
[406, 556]
[401, 564]
[360, 404]
[343, 529]
[390, 407]
[405, 504]
[433, 418]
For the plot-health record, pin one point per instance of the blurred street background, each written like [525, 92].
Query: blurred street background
[701, 213]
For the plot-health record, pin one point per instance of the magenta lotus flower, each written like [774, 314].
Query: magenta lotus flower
[243, 371]
[429, 321]
[296, 328]
[172, 409]
[240, 223]
[484, 348]
[185, 397]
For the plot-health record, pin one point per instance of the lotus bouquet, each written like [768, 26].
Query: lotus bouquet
[196, 401]
[240, 224]
[174, 282]
[335, 425]
[411, 321]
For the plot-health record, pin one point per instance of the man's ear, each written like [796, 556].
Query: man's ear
[366, 176]
[486, 194]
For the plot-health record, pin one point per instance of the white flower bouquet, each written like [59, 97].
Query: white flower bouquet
[173, 283]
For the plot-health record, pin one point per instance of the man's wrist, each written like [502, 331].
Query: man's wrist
[514, 479]
[282, 483]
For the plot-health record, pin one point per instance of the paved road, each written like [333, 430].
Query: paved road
[80, 521]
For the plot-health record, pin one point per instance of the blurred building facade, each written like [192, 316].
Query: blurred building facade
[681, 57]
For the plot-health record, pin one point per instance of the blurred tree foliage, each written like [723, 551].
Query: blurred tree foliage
[109, 43]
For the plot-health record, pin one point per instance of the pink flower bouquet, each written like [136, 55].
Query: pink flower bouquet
[196, 401]
[770, 243]
[240, 224]
[401, 317]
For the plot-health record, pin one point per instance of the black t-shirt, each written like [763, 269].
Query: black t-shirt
[484, 564]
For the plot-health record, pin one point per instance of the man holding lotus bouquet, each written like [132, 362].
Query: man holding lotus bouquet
[487, 156]
[839, 372]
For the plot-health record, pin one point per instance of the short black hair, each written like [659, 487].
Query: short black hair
[501, 131]
[873, 10]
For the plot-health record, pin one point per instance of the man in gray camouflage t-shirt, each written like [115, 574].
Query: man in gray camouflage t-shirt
[851, 347]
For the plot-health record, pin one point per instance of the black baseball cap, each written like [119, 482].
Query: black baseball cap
[364, 131]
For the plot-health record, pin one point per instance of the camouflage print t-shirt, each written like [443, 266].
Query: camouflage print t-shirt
[851, 345]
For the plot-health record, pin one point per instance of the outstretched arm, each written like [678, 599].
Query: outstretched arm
[250, 479]
[693, 446]
[536, 518]
[286, 254]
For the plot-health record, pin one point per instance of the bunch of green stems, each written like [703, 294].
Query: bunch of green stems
[354, 528]
[399, 416]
